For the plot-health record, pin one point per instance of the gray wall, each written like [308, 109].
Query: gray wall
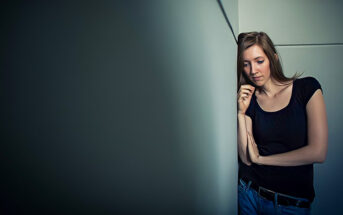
[118, 108]
[309, 22]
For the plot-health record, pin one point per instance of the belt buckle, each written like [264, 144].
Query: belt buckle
[281, 199]
[269, 193]
[285, 200]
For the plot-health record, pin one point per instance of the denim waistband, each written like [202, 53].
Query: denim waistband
[276, 197]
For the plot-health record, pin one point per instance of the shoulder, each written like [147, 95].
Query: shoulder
[306, 87]
[307, 81]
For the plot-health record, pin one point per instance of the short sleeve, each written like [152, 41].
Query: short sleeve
[309, 87]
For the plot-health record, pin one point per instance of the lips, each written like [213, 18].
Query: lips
[257, 78]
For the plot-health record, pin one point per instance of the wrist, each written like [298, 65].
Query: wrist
[259, 160]
[240, 114]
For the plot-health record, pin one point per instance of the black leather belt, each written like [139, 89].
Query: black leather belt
[281, 198]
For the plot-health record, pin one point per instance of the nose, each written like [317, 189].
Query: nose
[253, 70]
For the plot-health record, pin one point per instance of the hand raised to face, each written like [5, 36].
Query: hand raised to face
[244, 97]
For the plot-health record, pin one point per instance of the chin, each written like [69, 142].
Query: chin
[257, 83]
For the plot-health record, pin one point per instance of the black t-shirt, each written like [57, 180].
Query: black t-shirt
[278, 132]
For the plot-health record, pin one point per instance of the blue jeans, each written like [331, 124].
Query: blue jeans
[251, 203]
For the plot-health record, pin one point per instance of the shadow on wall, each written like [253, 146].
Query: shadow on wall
[92, 117]
[88, 121]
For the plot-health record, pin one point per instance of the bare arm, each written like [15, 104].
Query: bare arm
[244, 122]
[244, 125]
[316, 149]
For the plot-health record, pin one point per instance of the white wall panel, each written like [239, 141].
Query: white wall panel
[202, 56]
[293, 21]
[231, 8]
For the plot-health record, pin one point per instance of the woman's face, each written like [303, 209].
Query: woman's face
[256, 65]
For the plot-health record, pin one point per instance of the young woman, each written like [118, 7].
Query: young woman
[282, 131]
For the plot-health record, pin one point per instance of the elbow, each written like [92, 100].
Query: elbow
[248, 163]
[321, 158]
[319, 152]
[245, 160]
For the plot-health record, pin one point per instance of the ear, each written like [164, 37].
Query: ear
[276, 56]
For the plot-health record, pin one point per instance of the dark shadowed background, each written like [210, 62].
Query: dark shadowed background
[117, 107]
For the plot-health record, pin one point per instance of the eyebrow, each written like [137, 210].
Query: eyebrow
[255, 58]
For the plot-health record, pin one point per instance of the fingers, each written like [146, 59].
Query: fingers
[253, 149]
[251, 139]
[245, 91]
[250, 147]
[243, 97]
[249, 135]
[247, 86]
[244, 94]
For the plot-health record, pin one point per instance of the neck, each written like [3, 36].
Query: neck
[271, 88]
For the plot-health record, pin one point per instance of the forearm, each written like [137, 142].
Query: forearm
[317, 137]
[306, 155]
[242, 139]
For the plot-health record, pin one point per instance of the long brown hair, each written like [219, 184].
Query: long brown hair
[248, 39]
